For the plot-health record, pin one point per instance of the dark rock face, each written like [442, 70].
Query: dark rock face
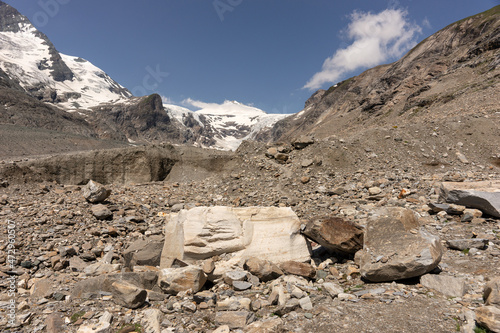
[10, 18]
[18, 108]
[142, 119]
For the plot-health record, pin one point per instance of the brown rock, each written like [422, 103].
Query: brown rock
[175, 280]
[492, 292]
[101, 212]
[298, 268]
[233, 319]
[335, 234]
[263, 269]
[302, 142]
[55, 323]
[42, 288]
[489, 317]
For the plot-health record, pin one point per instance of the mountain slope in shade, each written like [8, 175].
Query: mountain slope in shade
[28, 57]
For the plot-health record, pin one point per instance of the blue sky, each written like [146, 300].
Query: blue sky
[267, 53]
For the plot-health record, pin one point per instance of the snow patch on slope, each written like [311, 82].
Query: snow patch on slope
[94, 85]
[25, 57]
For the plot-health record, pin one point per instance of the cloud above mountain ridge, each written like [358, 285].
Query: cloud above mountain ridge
[377, 38]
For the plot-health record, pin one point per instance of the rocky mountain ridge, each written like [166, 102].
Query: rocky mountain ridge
[454, 72]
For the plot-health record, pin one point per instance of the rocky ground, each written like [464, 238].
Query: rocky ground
[62, 240]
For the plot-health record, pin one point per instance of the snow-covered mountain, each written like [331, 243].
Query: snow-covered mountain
[227, 124]
[30, 63]
[28, 57]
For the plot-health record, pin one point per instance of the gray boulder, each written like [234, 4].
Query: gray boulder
[462, 244]
[103, 283]
[144, 252]
[445, 284]
[396, 247]
[128, 295]
[94, 192]
[483, 195]
[101, 212]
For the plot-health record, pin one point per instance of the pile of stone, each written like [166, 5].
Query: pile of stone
[182, 263]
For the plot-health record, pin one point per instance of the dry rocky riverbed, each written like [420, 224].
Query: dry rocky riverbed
[62, 240]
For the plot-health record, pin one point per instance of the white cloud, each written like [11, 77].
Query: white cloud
[228, 107]
[376, 39]
[166, 100]
[426, 23]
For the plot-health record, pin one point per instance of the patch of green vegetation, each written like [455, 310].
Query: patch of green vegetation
[148, 99]
[488, 15]
[481, 330]
[339, 86]
[457, 326]
[465, 251]
[135, 326]
[77, 315]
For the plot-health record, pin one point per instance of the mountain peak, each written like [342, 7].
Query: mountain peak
[11, 20]
[30, 60]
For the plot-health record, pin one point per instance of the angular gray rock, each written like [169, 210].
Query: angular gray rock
[94, 192]
[462, 244]
[234, 275]
[145, 252]
[396, 247]
[101, 212]
[335, 234]
[241, 285]
[483, 195]
[128, 295]
[445, 284]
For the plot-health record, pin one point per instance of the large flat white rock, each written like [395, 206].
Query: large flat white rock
[270, 233]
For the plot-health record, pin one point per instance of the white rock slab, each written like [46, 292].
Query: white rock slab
[269, 233]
